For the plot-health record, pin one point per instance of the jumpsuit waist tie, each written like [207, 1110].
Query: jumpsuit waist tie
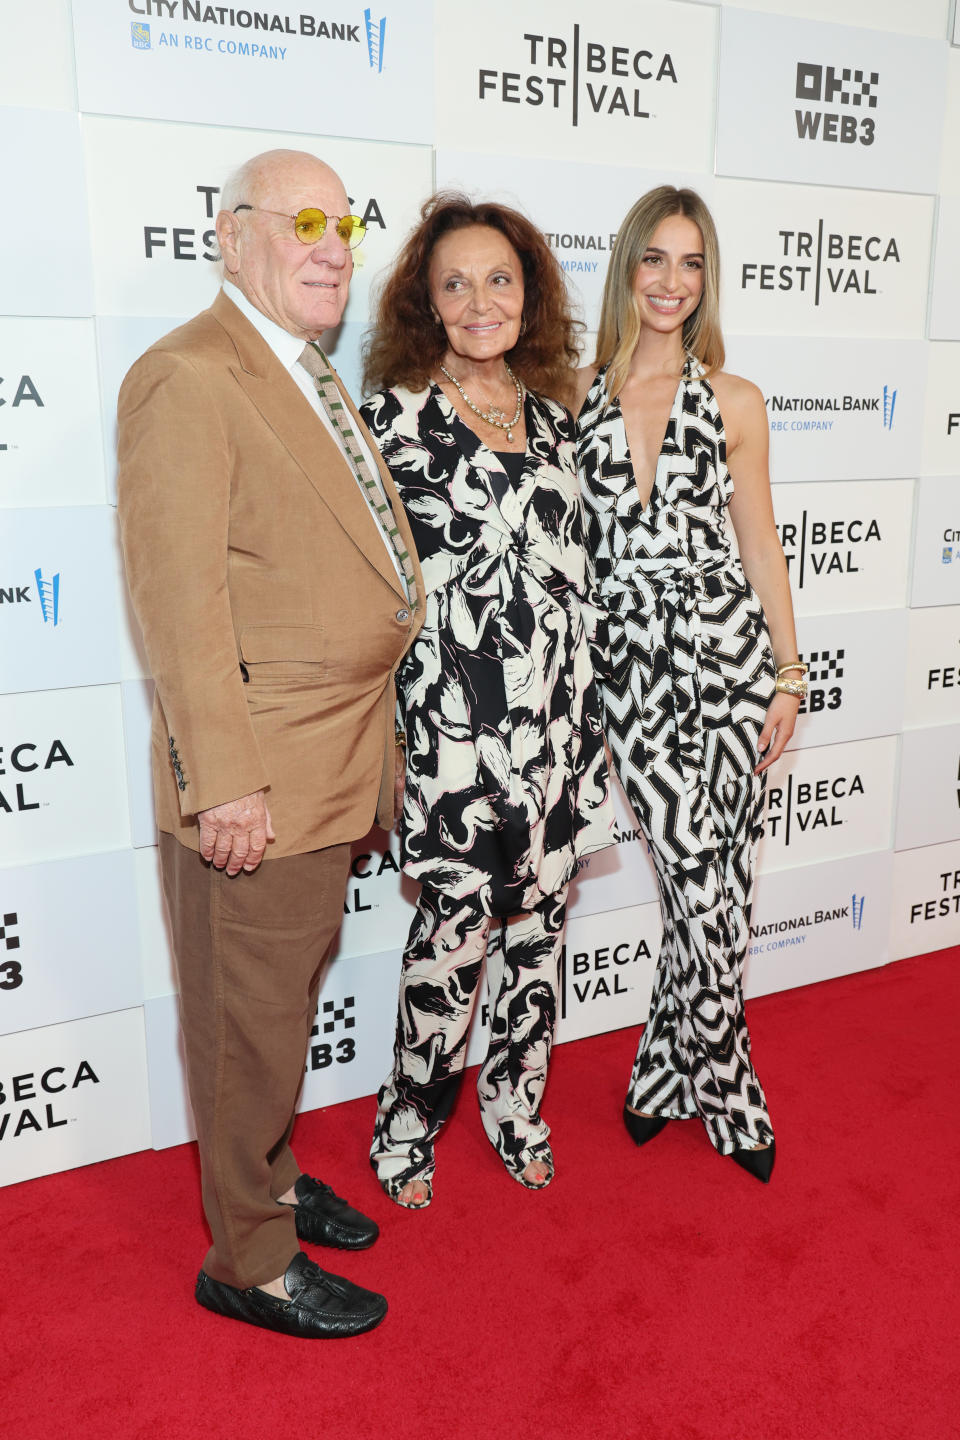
[670, 591]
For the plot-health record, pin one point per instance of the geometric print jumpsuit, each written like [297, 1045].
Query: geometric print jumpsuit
[691, 676]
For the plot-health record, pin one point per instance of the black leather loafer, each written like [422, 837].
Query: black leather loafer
[324, 1219]
[321, 1306]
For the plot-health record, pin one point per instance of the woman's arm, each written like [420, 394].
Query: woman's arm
[761, 554]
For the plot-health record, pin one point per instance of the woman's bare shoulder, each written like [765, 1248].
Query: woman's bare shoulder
[737, 396]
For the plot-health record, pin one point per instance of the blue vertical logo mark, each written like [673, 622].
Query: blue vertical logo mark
[889, 404]
[139, 35]
[946, 555]
[48, 593]
[376, 30]
[856, 914]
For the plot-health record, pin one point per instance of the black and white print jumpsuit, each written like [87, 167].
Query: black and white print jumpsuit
[690, 678]
[506, 782]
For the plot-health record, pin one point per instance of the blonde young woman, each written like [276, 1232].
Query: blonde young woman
[704, 684]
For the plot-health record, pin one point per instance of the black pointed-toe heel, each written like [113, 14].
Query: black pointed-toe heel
[756, 1162]
[642, 1128]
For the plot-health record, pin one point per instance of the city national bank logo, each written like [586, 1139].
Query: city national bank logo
[793, 930]
[819, 263]
[823, 86]
[376, 31]
[48, 596]
[257, 23]
[139, 35]
[824, 673]
[48, 593]
[577, 76]
[951, 546]
[30, 1091]
[857, 902]
[332, 1016]
[889, 405]
[825, 547]
[802, 807]
[821, 412]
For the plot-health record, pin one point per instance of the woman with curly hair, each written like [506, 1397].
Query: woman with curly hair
[505, 785]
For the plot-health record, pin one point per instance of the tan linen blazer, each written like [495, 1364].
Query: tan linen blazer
[251, 552]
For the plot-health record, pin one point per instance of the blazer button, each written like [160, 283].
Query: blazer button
[403, 616]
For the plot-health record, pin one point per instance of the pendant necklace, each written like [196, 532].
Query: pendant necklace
[493, 416]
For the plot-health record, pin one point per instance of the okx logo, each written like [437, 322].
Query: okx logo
[48, 593]
[331, 1016]
[824, 672]
[11, 971]
[376, 30]
[139, 35]
[822, 85]
[856, 910]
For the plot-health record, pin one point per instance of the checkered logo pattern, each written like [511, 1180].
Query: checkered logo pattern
[334, 1015]
[10, 942]
[825, 665]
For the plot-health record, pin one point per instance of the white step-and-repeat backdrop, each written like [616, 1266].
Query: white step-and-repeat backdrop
[824, 134]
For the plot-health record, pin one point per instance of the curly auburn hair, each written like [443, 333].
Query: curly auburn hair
[407, 344]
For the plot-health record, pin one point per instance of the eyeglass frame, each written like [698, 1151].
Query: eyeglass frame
[283, 215]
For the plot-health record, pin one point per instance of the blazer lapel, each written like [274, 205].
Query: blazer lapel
[288, 412]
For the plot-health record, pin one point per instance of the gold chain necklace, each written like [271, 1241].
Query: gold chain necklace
[493, 416]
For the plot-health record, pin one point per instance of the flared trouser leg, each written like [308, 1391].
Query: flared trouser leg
[523, 977]
[694, 1054]
[442, 964]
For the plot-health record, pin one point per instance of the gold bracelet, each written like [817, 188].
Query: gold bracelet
[797, 688]
[792, 665]
[400, 736]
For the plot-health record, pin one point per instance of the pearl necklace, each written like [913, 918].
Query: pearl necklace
[493, 416]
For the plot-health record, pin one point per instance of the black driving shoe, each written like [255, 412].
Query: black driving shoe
[320, 1306]
[324, 1219]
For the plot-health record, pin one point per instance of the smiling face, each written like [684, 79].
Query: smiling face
[302, 288]
[669, 279]
[476, 288]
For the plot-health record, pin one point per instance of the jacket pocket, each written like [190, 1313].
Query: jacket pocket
[275, 653]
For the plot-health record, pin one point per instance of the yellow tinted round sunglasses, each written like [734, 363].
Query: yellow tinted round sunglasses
[310, 225]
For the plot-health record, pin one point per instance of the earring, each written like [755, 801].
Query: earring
[523, 324]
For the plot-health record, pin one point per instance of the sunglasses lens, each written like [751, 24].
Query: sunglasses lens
[351, 230]
[310, 225]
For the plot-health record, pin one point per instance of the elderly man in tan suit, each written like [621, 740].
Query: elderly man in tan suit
[274, 578]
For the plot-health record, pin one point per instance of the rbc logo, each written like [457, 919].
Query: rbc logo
[139, 35]
[376, 29]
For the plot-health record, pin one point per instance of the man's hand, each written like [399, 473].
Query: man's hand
[234, 836]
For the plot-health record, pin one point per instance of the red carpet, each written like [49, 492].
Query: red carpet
[660, 1293]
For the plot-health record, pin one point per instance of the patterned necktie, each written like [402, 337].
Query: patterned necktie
[313, 360]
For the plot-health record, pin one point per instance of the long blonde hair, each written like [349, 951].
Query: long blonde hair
[620, 322]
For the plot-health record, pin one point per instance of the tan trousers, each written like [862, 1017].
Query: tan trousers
[250, 953]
